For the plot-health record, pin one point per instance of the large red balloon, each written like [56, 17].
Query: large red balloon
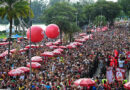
[52, 31]
[36, 34]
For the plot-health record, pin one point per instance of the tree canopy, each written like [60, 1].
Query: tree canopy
[62, 14]
[38, 8]
[14, 9]
[125, 4]
[108, 9]
[100, 20]
[52, 2]
[80, 14]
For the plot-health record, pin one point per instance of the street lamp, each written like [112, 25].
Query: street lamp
[30, 24]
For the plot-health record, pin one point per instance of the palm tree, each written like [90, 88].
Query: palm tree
[14, 9]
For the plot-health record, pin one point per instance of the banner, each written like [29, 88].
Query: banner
[120, 74]
[110, 75]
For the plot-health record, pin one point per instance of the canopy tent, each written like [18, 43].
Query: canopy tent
[16, 36]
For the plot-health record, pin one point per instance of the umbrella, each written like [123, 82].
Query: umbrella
[23, 50]
[74, 43]
[77, 43]
[88, 36]
[98, 30]
[25, 69]
[57, 42]
[49, 44]
[62, 47]
[4, 54]
[56, 52]
[127, 85]
[92, 30]
[4, 43]
[34, 65]
[82, 34]
[71, 46]
[13, 50]
[80, 40]
[105, 28]
[16, 36]
[20, 38]
[36, 59]
[48, 54]
[32, 46]
[77, 82]
[15, 72]
[53, 46]
[59, 49]
[85, 82]
[38, 46]
[18, 41]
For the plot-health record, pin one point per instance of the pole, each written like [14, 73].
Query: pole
[101, 18]
[76, 18]
[30, 23]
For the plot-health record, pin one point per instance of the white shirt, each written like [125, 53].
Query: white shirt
[22, 77]
[121, 63]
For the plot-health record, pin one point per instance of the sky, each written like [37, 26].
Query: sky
[96, 0]
[109, 0]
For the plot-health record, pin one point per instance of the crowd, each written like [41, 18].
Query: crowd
[59, 73]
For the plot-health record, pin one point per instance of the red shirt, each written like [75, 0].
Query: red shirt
[128, 55]
[106, 86]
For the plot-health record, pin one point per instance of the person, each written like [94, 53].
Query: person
[100, 87]
[106, 86]
[124, 81]
[21, 87]
[81, 62]
[121, 63]
[48, 87]
[104, 81]
[94, 88]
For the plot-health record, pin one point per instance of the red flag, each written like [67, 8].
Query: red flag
[116, 53]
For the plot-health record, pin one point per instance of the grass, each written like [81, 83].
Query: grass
[2, 36]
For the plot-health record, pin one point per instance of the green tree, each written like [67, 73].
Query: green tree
[3, 21]
[62, 14]
[52, 2]
[125, 4]
[101, 0]
[14, 9]
[100, 20]
[38, 8]
[86, 2]
[89, 11]
[108, 9]
[81, 19]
